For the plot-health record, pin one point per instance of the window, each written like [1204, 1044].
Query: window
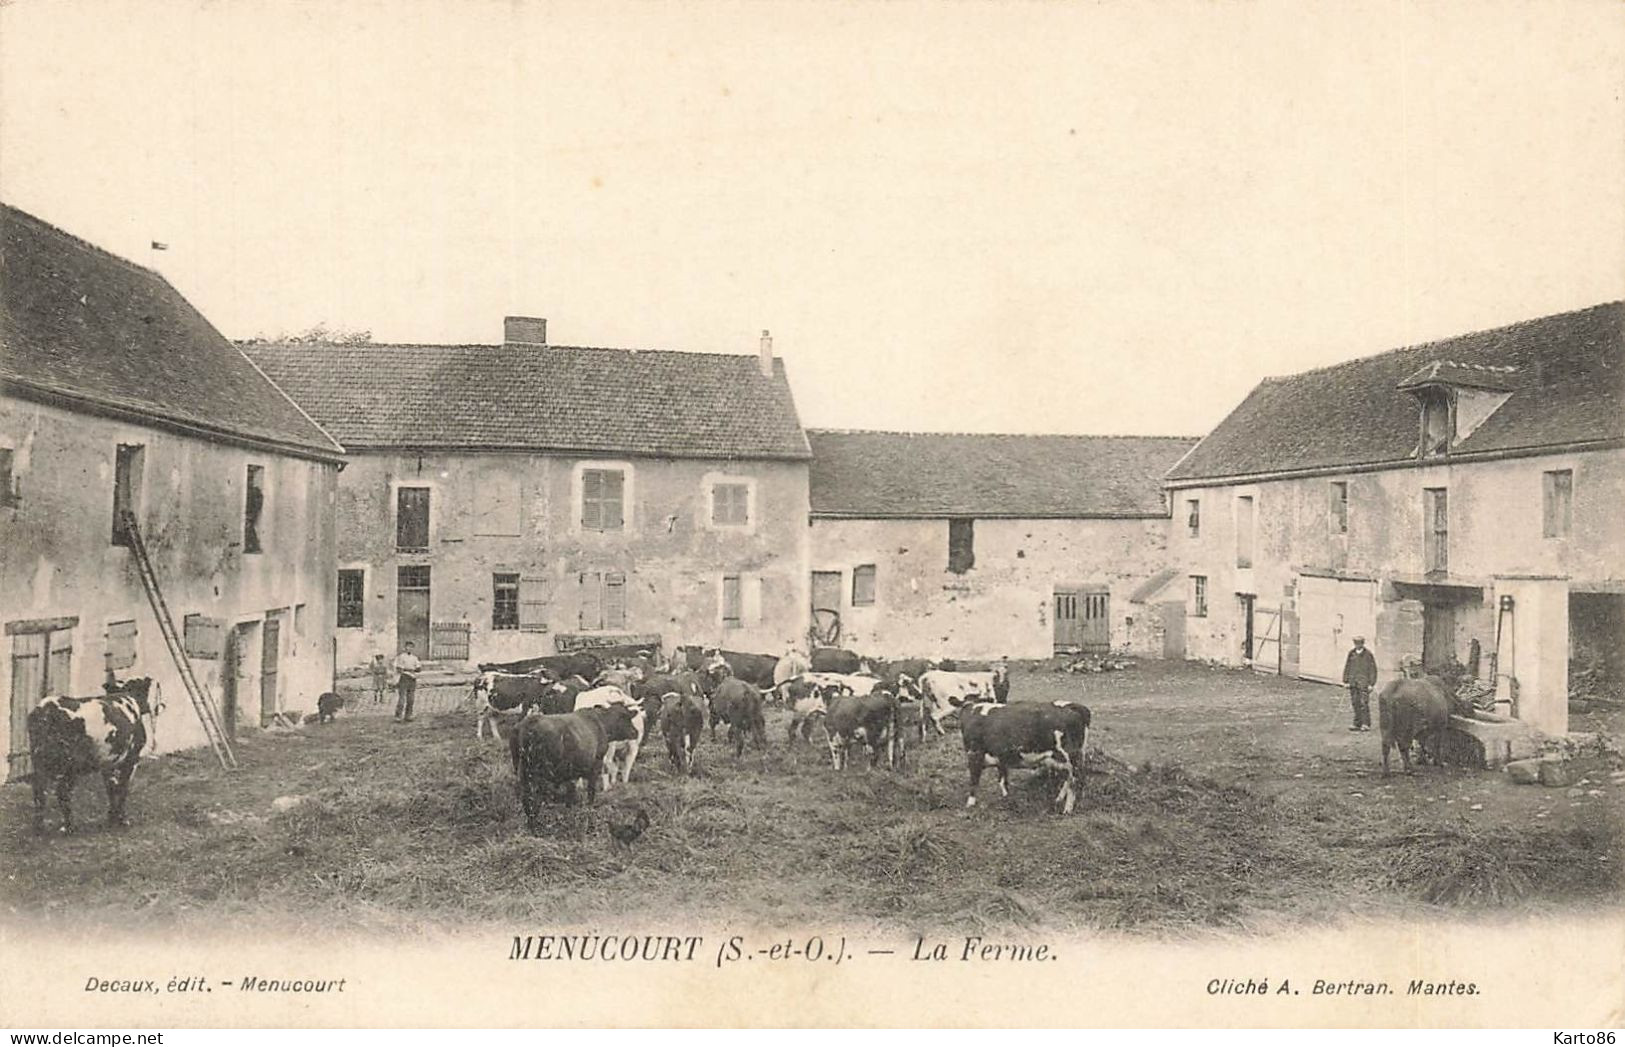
[127, 466]
[1193, 516]
[412, 518]
[602, 499]
[961, 545]
[733, 604]
[120, 645]
[8, 484]
[352, 599]
[253, 505]
[863, 585]
[1436, 535]
[603, 600]
[1244, 530]
[1436, 423]
[1198, 596]
[504, 601]
[204, 637]
[1340, 507]
[730, 504]
[1558, 503]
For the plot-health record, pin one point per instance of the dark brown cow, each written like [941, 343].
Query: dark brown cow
[739, 705]
[870, 719]
[584, 664]
[1049, 735]
[1412, 710]
[69, 737]
[835, 660]
[553, 751]
[682, 721]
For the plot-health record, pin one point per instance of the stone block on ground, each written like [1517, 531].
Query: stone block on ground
[1524, 772]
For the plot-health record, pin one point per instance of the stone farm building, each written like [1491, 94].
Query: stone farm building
[116, 394]
[1458, 500]
[984, 546]
[505, 501]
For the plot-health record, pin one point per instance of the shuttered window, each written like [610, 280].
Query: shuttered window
[730, 504]
[532, 605]
[602, 499]
[120, 645]
[1198, 596]
[1436, 524]
[733, 607]
[1557, 502]
[204, 637]
[863, 585]
[603, 600]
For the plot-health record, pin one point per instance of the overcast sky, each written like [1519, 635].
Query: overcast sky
[1016, 217]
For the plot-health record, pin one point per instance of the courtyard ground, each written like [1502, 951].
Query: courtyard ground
[1219, 802]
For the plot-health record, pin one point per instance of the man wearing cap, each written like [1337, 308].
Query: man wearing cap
[407, 668]
[1359, 676]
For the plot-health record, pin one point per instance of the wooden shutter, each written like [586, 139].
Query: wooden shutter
[532, 605]
[614, 600]
[120, 645]
[592, 602]
[204, 637]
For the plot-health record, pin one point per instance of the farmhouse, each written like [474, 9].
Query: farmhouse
[984, 546]
[502, 501]
[1456, 502]
[117, 396]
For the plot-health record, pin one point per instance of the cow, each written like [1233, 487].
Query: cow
[624, 678]
[911, 719]
[623, 752]
[944, 692]
[564, 749]
[870, 719]
[755, 669]
[790, 665]
[739, 705]
[68, 737]
[835, 660]
[658, 685]
[1412, 710]
[903, 674]
[1049, 735]
[496, 693]
[682, 721]
[807, 710]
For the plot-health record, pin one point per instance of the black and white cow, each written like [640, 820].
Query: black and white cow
[682, 721]
[869, 719]
[560, 751]
[945, 691]
[498, 693]
[1051, 736]
[68, 737]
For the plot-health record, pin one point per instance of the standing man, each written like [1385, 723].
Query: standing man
[1359, 676]
[407, 668]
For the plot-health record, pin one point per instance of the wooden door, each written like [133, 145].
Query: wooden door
[1247, 600]
[1173, 630]
[1068, 621]
[270, 652]
[1438, 636]
[412, 609]
[1097, 621]
[1266, 639]
[27, 688]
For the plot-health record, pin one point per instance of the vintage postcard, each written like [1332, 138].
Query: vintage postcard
[834, 514]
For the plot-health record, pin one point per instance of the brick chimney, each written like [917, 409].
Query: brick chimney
[524, 330]
[767, 355]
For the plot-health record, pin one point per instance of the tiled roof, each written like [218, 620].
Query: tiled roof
[88, 329]
[880, 474]
[544, 398]
[1563, 373]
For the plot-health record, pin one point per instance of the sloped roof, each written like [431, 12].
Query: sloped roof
[1563, 374]
[867, 474]
[92, 331]
[543, 398]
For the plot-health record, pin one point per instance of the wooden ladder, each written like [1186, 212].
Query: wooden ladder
[202, 701]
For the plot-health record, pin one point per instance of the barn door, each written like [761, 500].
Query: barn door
[1173, 629]
[1438, 636]
[270, 650]
[412, 609]
[1097, 621]
[1331, 612]
[1068, 621]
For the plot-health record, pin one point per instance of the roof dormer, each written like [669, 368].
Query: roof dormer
[1454, 400]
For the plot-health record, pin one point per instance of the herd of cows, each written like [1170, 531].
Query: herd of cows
[582, 718]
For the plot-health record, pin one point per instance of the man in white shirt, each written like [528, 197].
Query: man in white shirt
[407, 668]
